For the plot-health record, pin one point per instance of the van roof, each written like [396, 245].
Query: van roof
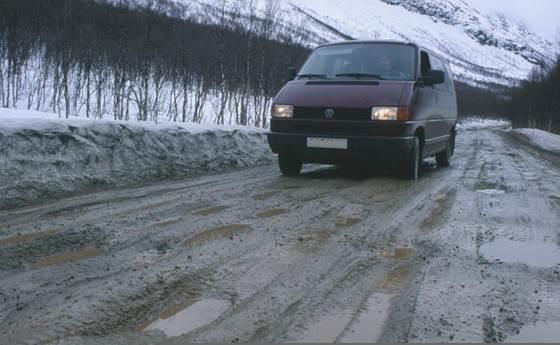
[384, 41]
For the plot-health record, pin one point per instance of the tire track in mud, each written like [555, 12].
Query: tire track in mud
[295, 307]
[296, 186]
[511, 304]
[494, 299]
[165, 224]
[108, 201]
[320, 242]
[267, 206]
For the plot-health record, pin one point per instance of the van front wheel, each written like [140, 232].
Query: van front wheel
[289, 165]
[443, 159]
[412, 167]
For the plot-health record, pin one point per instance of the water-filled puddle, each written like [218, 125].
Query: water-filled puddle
[209, 211]
[555, 199]
[179, 322]
[265, 195]
[368, 326]
[167, 222]
[442, 204]
[327, 329]
[537, 254]
[491, 191]
[541, 332]
[394, 279]
[347, 222]
[349, 326]
[21, 239]
[399, 253]
[214, 234]
[272, 213]
[67, 257]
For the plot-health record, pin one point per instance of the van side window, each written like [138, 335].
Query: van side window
[425, 64]
[449, 77]
[437, 64]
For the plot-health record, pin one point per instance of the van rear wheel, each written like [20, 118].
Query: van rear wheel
[412, 167]
[289, 165]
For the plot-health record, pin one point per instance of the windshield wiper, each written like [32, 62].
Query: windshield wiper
[310, 76]
[360, 75]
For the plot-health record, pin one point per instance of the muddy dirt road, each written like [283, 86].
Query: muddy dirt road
[468, 253]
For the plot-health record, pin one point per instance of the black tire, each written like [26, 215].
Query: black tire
[412, 167]
[289, 166]
[443, 158]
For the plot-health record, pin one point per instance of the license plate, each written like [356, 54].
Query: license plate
[327, 143]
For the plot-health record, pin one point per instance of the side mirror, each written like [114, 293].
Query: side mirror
[292, 72]
[433, 77]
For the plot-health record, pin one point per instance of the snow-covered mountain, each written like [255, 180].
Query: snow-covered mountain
[483, 47]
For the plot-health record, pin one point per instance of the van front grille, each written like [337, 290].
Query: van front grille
[346, 114]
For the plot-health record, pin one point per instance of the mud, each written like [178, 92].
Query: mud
[272, 213]
[368, 324]
[227, 231]
[66, 258]
[21, 239]
[346, 222]
[466, 254]
[209, 211]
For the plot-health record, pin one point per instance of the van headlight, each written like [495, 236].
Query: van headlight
[283, 111]
[385, 113]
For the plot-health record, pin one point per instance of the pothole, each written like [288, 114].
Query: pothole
[555, 199]
[491, 191]
[443, 203]
[349, 325]
[166, 222]
[394, 279]
[209, 211]
[266, 195]
[347, 222]
[20, 239]
[399, 253]
[67, 257]
[272, 213]
[537, 254]
[328, 328]
[491, 188]
[369, 324]
[213, 234]
[186, 318]
[540, 332]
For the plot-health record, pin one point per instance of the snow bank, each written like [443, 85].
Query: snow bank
[473, 123]
[42, 156]
[542, 139]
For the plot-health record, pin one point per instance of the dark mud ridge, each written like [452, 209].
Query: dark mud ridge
[54, 159]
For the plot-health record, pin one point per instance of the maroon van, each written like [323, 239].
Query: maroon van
[380, 101]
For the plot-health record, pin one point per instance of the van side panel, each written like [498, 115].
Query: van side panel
[435, 106]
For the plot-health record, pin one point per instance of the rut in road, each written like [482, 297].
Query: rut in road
[308, 258]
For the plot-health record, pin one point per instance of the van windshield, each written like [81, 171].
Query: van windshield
[387, 61]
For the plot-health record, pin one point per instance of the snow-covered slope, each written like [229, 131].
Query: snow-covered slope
[483, 47]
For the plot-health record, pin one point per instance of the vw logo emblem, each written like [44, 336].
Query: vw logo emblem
[329, 114]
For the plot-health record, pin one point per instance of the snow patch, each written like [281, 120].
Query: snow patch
[542, 139]
[42, 156]
[474, 123]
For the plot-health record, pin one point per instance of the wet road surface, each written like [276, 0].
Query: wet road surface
[469, 254]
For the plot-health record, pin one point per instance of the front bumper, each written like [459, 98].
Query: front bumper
[360, 148]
